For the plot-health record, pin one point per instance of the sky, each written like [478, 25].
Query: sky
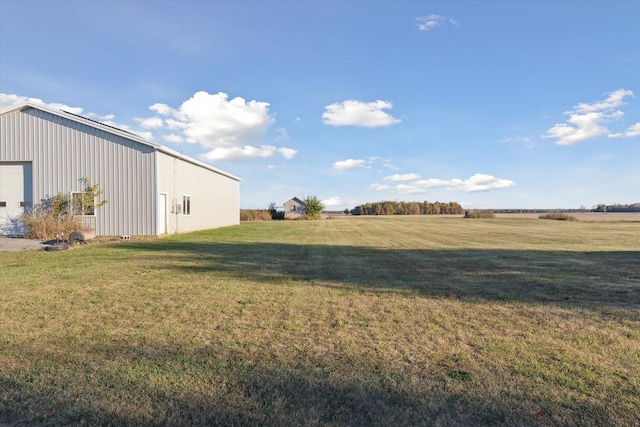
[491, 104]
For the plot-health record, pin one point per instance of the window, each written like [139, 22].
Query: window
[186, 205]
[25, 204]
[81, 206]
[3, 204]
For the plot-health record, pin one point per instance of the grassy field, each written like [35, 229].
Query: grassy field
[350, 321]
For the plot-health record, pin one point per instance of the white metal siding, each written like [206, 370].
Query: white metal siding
[215, 198]
[62, 151]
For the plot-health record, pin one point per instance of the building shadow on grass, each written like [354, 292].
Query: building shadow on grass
[231, 392]
[567, 278]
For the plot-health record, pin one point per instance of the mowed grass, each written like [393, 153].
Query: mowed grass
[354, 321]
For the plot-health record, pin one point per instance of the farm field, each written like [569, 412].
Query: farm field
[349, 321]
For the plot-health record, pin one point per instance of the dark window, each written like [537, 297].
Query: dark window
[3, 204]
[186, 205]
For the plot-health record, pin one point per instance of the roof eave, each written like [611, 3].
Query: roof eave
[113, 130]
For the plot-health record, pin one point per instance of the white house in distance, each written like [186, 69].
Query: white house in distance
[150, 189]
[294, 208]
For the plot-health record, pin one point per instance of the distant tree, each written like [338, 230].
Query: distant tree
[275, 214]
[312, 207]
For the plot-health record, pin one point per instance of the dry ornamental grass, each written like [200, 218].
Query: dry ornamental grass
[354, 321]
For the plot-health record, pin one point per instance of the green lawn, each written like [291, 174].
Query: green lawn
[354, 321]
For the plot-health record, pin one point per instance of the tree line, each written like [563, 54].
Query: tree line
[635, 207]
[407, 208]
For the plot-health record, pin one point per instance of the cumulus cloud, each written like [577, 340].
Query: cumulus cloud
[426, 23]
[480, 182]
[588, 121]
[332, 201]
[247, 152]
[358, 113]
[231, 129]
[634, 130]
[379, 187]
[287, 153]
[475, 183]
[151, 123]
[349, 164]
[402, 177]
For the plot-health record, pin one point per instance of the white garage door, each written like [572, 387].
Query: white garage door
[16, 196]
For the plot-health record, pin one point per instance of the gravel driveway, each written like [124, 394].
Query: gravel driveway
[10, 244]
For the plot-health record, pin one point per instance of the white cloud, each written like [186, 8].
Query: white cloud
[402, 177]
[379, 187]
[151, 123]
[247, 152]
[410, 189]
[240, 153]
[107, 118]
[615, 100]
[358, 113]
[432, 182]
[475, 183]
[587, 121]
[634, 130]
[348, 164]
[282, 134]
[214, 121]
[161, 109]
[173, 138]
[287, 153]
[426, 23]
[332, 201]
[229, 129]
[480, 182]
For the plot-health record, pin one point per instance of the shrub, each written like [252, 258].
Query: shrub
[558, 216]
[50, 219]
[313, 207]
[255, 215]
[479, 214]
[58, 215]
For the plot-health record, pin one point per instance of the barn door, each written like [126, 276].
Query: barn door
[16, 196]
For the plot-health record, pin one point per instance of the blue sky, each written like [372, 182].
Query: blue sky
[517, 104]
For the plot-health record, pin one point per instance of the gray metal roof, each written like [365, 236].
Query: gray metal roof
[113, 130]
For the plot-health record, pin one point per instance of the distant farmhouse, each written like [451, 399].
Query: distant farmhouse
[294, 209]
[150, 189]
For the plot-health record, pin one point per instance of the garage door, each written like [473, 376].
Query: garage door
[16, 196]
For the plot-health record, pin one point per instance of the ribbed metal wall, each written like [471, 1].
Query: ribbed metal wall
[63, 151]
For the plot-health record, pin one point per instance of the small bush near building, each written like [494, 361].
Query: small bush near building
[478, 214]
[558, 216]
[50, 219]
